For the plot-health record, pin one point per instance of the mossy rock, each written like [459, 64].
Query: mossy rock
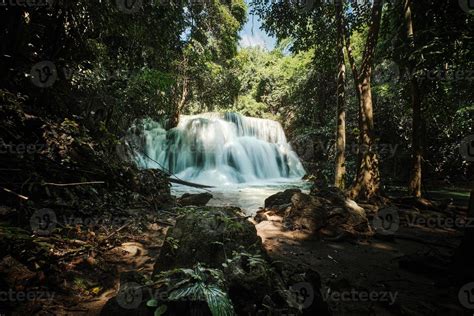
[207, 235]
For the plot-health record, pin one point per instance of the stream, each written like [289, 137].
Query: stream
[249, 197]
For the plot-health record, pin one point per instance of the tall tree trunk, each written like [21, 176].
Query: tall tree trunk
[464, 255]
[367, 182]
[179, 106]
[340, 170]
[414, 185]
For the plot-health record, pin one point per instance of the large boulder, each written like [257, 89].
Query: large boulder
[324, 213]
[280, 198]
[207, 235]
[200, 199]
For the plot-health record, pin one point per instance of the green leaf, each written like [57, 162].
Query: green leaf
[161, 310]
[152, 303]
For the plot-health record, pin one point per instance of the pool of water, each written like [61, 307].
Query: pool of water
[248, 196]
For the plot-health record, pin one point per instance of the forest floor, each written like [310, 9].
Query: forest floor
[407, 273]
[403, 274]
[84, 281]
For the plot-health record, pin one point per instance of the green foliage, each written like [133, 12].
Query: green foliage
[160, 309]
[198, 284]
[443, 42]
[115, 67]
[262, 83]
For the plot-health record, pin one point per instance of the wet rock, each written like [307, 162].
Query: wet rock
[280, 198]
[200, 199]
[261, 216]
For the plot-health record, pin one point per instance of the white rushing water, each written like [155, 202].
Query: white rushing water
[229, 151]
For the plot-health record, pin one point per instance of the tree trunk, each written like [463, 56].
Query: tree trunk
[367, 182]
[465, 253]
[340, 170]
[414, 185]
[180, 104]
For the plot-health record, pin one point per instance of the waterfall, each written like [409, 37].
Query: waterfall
[220, 149]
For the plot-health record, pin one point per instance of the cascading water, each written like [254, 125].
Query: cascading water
[221, 149]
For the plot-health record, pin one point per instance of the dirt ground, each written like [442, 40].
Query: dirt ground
[368, 277]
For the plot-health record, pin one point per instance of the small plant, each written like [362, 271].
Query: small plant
[174, 243]
[198, 284]
[160, 309]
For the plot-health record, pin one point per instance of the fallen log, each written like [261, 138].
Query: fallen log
[72, 184]
[190, 184]
[170, 174]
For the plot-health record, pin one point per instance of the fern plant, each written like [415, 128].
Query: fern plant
[199, 284]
